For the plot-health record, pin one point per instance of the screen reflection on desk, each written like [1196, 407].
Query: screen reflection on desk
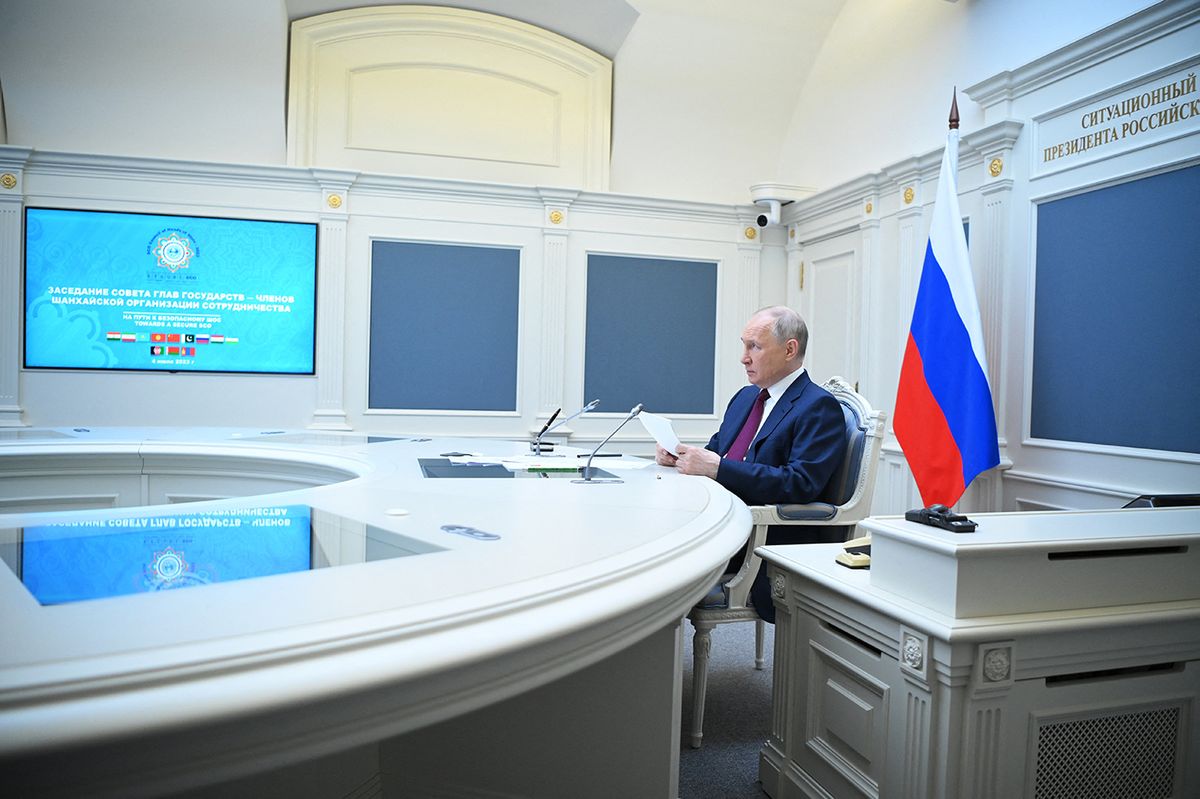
[97, 558]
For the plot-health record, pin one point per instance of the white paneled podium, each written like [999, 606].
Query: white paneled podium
[1051, 655]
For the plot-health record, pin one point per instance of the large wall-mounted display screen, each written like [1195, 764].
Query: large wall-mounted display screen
[109, 290]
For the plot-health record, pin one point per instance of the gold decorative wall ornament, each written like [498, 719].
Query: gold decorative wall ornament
[556, 217]
[791, 233]
[334, 201]
[751, 233]
[870, 207]
[8, 180]
[909, 194]
[995, 167]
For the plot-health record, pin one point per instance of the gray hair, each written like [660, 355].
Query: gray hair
[788, 325]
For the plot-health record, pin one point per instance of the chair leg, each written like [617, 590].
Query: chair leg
[701, 646]
[760, 630]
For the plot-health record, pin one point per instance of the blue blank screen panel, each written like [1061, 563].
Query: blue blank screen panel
[443, 327]
[650, 334]
[1117, 325]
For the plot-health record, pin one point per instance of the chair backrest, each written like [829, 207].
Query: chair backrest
[853, 483]
[845, 479]
[849, 491]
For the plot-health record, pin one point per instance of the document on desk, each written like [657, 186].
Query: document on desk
[660, 428]
[550, 463]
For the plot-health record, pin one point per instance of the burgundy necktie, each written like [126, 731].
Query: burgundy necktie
[742, 443]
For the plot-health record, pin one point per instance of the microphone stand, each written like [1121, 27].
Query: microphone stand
[587, 470]
[536, 444]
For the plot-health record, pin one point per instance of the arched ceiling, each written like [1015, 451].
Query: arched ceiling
[598, 24]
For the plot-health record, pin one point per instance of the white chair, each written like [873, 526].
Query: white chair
[850, 502]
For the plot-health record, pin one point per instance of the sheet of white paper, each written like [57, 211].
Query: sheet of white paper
[660, 427]
[540, 462]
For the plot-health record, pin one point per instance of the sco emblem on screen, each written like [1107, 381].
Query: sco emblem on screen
[173, 249]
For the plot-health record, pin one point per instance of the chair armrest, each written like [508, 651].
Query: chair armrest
[738, 587]
[809, 513]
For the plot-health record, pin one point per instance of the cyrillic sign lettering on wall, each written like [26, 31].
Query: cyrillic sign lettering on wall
[1151, 110]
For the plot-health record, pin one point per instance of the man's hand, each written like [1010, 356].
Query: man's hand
[662, 457]
[697, 460]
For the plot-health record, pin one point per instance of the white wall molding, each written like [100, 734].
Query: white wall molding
[1092, 489]
[885, 188]
[165, 170]
[1128, 453]
[529, 105]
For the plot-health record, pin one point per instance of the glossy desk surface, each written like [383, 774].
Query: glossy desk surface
[575, 573]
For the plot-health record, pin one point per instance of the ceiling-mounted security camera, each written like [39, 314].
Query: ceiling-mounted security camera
[773, 196]
[771, 217]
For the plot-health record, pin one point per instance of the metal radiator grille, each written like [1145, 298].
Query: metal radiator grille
[1127, 756]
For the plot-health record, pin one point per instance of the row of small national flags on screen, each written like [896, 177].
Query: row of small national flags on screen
[170, 343]
[173, 338]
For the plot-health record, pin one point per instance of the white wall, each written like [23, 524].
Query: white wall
[701, 100]
[203, 81]
[880, 88]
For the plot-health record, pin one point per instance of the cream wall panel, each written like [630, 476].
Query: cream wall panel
[831, 287]
[407, 109]
[420, 90]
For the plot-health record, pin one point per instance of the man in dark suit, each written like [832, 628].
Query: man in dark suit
[781, 439]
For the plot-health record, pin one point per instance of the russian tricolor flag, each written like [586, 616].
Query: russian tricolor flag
[944, 419]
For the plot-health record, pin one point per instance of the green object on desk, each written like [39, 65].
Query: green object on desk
[553, 468]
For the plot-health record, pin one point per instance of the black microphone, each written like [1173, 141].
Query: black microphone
[536, 444]
[537, 441]
[587, 469]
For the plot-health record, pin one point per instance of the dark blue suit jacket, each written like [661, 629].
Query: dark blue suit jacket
[797, 450]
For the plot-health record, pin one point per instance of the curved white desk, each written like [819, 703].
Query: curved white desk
[542, 662]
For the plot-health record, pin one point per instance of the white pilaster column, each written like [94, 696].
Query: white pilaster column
[744, 286]
[895, 477]
[553, 300]
[795, 271]
[749, 271]
[12, 202]
[988, 258]
[989, 282]
[869, 360]
[330, 413]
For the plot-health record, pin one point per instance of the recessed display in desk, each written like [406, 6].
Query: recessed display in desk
[444, 467]
[31, 435]
[105, 557]
[323, 439]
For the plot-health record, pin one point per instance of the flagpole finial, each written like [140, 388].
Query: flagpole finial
[954, 110]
